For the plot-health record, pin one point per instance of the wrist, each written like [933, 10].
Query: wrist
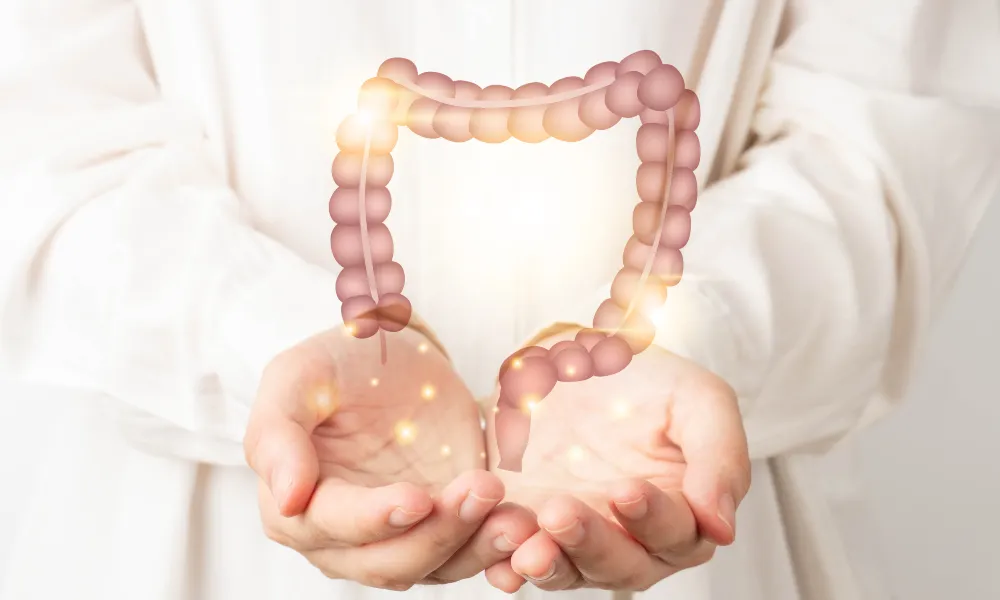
[263, 310]
[421, 327]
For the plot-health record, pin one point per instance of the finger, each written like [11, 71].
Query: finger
[708, 427]
[296, 394]
[461, 509]
[502, 577]
[343, 514]
[505, 529]
[283, 456]
[600, 550]
[540, 561]
[662, 522]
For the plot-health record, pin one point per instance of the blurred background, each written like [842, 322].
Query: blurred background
[937, 456]
[933, 468]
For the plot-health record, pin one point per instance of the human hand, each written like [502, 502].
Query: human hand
[375, 473]
[634, 477]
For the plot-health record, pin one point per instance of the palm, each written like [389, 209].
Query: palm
[411, 419]
[587, 434]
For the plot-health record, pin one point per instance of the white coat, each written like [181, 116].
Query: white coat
[164, 173]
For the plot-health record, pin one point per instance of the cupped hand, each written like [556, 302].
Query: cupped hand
[634, 477]
[376, 473]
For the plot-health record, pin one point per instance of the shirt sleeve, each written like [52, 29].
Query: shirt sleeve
[815, 269]
[127, 264]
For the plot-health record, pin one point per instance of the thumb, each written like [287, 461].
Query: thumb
[278, 443]
[282, 454]
[707, 425]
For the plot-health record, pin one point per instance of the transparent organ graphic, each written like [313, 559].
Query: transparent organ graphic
[432, 105]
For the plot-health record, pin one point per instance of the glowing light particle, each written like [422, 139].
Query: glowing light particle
[576, 453]
[428, 392]
[445, 450]
[423, 348]
[517, 363]
[621, 409]
[405, 432]
[655, 313]
[530, 403]
[324, 399]
[350, 329]
[571, 370]
[496, 409]
[374, 382]
[482, 455]
[365, 117]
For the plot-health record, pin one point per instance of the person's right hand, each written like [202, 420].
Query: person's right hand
[376, 473]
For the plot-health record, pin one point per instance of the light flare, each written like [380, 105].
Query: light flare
[366, 117]
[655, 315]
[324, 399]
[621, 409]
[530, 403]
[405, 432]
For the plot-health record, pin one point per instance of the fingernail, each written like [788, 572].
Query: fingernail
[281, 487]
[571, 535]
[402, 518]
[503, 544]
[546, 575]
[474, 508]
[633, 509]
[727, 512]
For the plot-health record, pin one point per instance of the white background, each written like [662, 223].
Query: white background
[932, 468]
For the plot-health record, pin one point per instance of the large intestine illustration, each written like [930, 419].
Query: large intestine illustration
[432, 105]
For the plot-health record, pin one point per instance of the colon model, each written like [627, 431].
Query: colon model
[433, 106]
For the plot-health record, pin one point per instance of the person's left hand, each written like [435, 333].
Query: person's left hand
[634, 477]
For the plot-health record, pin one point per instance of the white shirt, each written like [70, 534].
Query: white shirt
[164, 173]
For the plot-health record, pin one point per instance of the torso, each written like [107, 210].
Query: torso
[496, 240]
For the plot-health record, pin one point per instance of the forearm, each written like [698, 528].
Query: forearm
[128, 268]
[149, 286]
[814, 271]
